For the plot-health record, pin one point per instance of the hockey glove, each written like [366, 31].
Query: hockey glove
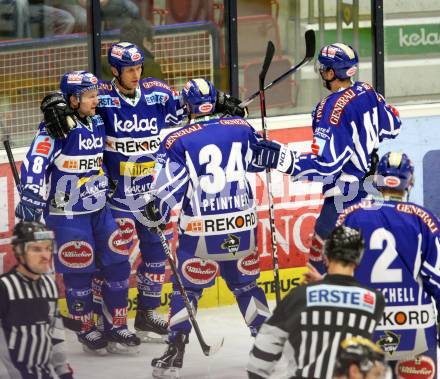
[229, 105]
[58, 117]
[373, 165]
[157, 213]
[272, 154]
[112, 185]
[30, 207]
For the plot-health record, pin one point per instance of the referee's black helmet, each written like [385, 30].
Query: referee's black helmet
[29, 231]
[345, 244]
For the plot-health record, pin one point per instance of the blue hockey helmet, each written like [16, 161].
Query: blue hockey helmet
[395, 171]
[200, 96]
[76, 83]
[124, 54]
[341, 58]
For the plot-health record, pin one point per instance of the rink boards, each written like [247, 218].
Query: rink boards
[297, 204]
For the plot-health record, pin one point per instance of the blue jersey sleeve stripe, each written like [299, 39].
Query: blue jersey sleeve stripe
[321, 168]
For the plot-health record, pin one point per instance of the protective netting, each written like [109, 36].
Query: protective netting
[29, 71]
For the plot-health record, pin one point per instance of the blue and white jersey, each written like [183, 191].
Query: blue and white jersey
[133, 127]
[204, 165]
[347, 126]
[69, 173]
[402, 260]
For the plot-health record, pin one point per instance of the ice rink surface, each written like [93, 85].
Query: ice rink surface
[228, 363]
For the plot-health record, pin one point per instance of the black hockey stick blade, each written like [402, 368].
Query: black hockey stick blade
[270, 51]
[310, 53]
[72, 324]
[310, 43]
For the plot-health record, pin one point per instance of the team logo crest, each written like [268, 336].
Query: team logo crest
[231, 243]
[389, 342]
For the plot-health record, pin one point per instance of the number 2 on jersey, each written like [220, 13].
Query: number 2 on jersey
[381, 272]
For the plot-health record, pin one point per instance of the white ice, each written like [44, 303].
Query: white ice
[228, 363]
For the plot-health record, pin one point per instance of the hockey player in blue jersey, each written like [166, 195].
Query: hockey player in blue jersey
[74, 207]
[348, 126]
[401, 258]
[202, 166]
[134, 112]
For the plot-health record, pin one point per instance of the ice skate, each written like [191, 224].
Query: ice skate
[93, 342]
[150, 327]
[169, 364]
[122, 341]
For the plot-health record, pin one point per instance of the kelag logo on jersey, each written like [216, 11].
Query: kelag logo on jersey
[341, 296]
[90, 143]
[156, 98]
[135, 125]
[106, 101]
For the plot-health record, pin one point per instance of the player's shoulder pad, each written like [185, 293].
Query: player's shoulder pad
[105, 86]
[42, 127]
[97, 120]
[43, 144]
[338, 103]
[420, 212]
[364, 204]
[154, 84]
[363, 86]
[318, 110]
[233, 121]
[171, 139]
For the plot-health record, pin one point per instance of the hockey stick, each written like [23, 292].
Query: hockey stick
[276, 272]
[11, 160]
[69, 323]
[207, 350]
[310, 53]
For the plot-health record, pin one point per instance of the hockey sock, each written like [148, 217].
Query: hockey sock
[179, 319]
[150, 276]
[97, 283]
[78, 288]
[252, 303]
[115, 294]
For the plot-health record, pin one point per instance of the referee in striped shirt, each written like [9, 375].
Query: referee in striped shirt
[314, 318]
[31, 332]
